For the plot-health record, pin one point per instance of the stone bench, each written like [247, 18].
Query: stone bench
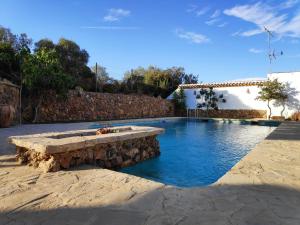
[125, 146]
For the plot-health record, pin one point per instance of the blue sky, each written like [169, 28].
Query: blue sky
[219, 40]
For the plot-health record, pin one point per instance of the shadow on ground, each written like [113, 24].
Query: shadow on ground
[232, 205]
[286, 131]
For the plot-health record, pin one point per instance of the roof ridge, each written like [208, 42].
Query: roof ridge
[224, 84]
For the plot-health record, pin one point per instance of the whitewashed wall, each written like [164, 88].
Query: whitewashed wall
[236, 98]
[245, 97]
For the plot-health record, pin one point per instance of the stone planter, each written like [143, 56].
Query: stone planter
[51, 152]
[7, 113]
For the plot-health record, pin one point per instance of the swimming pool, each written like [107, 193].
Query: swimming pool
[197, 153]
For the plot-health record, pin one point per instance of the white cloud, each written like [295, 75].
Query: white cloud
[237, 33]
[249, 33]
[192, 36]
[263, 15]
[197, 10]
[110, 27]
[212, 21]
[192, 8]
[116, 14]
[214, 18]
[255, 51]
[216, 14]
[222, 24]
[202, 11]
[288, 4]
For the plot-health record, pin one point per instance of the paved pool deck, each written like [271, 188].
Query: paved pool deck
[262, 189]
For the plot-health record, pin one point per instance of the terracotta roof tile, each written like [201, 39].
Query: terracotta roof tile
[223, 84]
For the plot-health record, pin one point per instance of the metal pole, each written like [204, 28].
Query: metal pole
[96, 76]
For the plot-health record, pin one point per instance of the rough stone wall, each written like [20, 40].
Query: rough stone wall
[9, 95]
[88, 106]
[232, 114]
[111, 155]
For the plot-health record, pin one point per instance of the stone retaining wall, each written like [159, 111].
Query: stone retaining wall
[88, 106]
[107, 155]
[9, 95]
[232, 114]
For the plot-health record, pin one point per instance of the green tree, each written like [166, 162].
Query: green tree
[6, 36]
[42, 72]
[179, 101]
[271, 90]
[9, 63]
[44, 44]
[13, 48]
[73, 60]
[133, 81]
[209, 99]
[189, 79]
[155, 81]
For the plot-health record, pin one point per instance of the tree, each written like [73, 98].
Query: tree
[155, 81]
[282, 101]
[102, 77]
[6, 36]
[284, 92]
[9, 64]
[189, 79]
[13, 49]
[44, 44]
[179, 101]
[209, 99]
[271, 90]
[43, 73]
[133, 81]
[73, 60]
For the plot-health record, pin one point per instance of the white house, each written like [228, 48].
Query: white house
[242, 94]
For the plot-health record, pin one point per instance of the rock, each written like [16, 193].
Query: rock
[137, 158]
[145, 155]
[132, 152]
[119, 160]
[50, 165]
[65, 161]
[100, 154]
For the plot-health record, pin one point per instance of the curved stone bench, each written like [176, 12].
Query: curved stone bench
[128, 145]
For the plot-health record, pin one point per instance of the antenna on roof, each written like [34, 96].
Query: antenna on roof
[271, 52]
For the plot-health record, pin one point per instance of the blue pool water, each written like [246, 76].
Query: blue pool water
[195, 153]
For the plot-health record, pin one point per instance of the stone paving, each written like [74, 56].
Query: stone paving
[262, 189]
